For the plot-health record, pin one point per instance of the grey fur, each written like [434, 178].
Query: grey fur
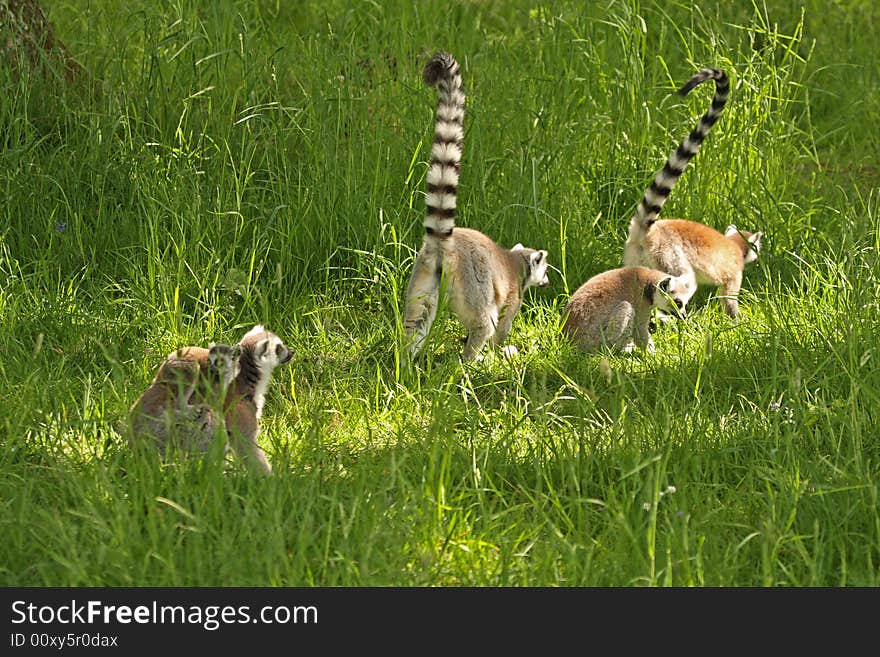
[261, 352]
[484, 282]
[189, 387]
[613, 309]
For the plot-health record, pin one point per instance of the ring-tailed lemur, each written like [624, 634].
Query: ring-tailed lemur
[261, 352]
[190, 380]
[485, 282]
[691, 251]
[614, 308]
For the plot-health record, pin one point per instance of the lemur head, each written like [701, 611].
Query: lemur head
[749, 242]
[266, 349]
[535, 266]
[261, 352]
[223, 362]
[671, 294]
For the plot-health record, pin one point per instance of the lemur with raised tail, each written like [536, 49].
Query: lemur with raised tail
[690, 251]
[484, 282]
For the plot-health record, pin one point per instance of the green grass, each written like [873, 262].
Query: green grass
[223, 165]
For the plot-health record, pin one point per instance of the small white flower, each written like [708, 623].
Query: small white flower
[646, 506]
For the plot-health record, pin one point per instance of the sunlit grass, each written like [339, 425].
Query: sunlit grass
[248, 162]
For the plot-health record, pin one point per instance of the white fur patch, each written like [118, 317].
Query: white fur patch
[442, 175]
[448, 131]
[254, 331]
[440, 225]
[266, 365]
[452, 97]
[440, 200]
[663, 180]
[677, 162]
[449, 113]
[654, 198]
[691, 146]
[446, 152]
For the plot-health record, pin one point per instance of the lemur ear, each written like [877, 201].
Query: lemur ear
[211, 345]
[664, 284]
[258, 328]
[262, 348]
[731, 230]
[517, 247]
[537, 257]
[755, 238]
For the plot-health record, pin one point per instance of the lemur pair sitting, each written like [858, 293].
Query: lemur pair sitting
[665, 260]
[201, 396]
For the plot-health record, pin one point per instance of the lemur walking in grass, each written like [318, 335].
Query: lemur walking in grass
[690, 251]
[189, 381]
[484, 282]
[613, 309]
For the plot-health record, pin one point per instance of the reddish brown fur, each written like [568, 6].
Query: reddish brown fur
[716, 259]
[244, 401]
[692, 252]
[242, 427]
[182, 379]
[696, 252]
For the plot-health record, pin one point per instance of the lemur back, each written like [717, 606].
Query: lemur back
[190, 380]
[691, 251]
[484, 282]
[613, 308]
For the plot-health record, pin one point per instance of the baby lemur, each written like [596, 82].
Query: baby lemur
[484, 282]
[613, 308]
[691, 251]
[190, 381]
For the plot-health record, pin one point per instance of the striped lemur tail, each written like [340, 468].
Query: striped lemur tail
[442, 178]
[656, 195]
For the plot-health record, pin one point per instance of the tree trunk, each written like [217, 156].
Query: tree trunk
[28, 39]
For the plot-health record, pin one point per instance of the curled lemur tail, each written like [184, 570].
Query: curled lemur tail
[442, 178]
[656, 195]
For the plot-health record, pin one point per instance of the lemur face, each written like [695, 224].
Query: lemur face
[268, 349]
[536, 267]
[272, 352]
[223, 361]
[673, 293]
